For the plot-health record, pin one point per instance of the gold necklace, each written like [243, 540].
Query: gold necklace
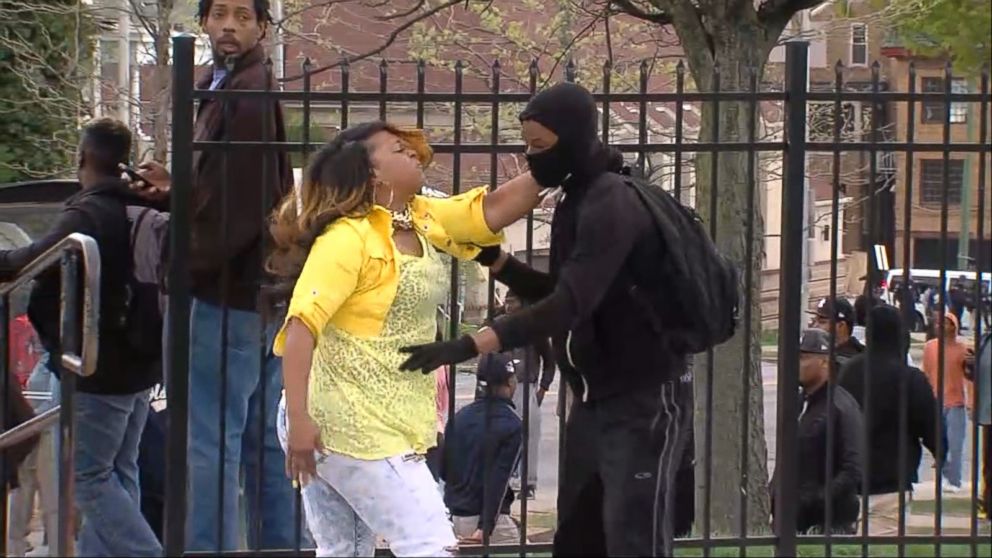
[402, 219]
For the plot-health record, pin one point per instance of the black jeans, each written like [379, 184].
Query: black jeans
[616, 494]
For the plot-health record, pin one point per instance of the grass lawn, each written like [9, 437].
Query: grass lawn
[910, 551]
[769, 337]
[914, 550]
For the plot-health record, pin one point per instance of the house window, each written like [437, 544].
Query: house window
[959, 111]
[859, 44]
[825, 234]
[932, 181]
[933, 110]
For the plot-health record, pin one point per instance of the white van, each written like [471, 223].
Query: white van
[924, 279]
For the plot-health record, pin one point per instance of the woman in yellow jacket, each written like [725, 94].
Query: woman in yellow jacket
[359, 253]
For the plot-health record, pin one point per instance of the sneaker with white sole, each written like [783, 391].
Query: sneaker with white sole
[952, 489]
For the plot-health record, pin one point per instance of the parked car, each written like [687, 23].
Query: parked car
[924, 280]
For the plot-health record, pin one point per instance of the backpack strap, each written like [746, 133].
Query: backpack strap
[137, 224]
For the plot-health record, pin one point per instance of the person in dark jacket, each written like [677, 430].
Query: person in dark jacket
[901, 412]
[233, 195]
[624, 433]
[111, 405]
[536, 372]
[848, 425]
[483, 445]
[841, 311]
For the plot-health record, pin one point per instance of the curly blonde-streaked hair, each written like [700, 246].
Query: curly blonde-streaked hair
[338, 182]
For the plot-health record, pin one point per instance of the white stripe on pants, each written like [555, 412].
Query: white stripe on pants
[352, 500]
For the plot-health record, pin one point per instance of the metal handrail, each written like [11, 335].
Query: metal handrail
[84, 364]
[86, 335]
[30, 428]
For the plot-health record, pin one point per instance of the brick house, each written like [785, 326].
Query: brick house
[927, 168]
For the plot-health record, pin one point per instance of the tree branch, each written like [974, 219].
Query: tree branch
[390, 39]
[407, 13]
[314, 6]
[609, 38]
[628, 7]
[781, 11]
[145, 22]
[566, 50]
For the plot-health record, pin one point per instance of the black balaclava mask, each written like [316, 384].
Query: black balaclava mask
[570, 112]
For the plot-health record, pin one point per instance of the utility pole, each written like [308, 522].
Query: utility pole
[124, 64]
[278, 46]
[804, 28]
[964, 237]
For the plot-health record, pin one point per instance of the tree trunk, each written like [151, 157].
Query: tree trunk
[741, 50]
[161, 84]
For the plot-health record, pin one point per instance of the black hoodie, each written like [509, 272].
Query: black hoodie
[891, 381]
[99, 212]
[603, 244]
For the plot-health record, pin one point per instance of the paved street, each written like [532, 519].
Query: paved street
[548, 461]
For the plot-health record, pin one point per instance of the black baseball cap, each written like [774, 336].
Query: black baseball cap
[815, 341]
[496, 369]
[839, 307]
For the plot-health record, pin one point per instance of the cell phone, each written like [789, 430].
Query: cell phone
[132, 174]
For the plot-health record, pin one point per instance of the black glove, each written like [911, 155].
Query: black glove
[489, 255]
[428, 358]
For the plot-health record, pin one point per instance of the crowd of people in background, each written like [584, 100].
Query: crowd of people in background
[882, 412]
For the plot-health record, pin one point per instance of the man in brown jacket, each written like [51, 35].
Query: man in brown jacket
[233, 193]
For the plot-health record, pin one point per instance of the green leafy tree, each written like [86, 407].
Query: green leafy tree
[960, 29]
[43, 58]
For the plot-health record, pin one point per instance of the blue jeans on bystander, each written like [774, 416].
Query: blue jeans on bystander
[251, 397]
[956, 423]
[108, 428]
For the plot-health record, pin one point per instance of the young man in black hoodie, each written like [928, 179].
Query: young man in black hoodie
[901, 412]
[112, 404]
[624, 437]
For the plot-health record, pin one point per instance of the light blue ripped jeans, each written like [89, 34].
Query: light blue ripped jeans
[351, 500]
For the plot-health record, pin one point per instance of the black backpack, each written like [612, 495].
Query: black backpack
[695, 294]
[145, 296]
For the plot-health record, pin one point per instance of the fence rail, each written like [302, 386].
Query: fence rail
[790, 143]
[79, 338]
[773, 187]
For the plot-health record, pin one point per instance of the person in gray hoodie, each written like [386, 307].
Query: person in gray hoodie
[979, 371]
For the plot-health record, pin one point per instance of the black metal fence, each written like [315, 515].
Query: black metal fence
[792, 143]
[783, 140]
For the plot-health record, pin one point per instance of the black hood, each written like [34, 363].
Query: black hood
[569, 111]
[887, 335]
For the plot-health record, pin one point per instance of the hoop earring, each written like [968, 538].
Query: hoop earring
[392, 192]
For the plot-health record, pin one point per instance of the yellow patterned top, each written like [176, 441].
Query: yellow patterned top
[362, 300]
[365, 407]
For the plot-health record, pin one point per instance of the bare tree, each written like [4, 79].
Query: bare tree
[44, 62]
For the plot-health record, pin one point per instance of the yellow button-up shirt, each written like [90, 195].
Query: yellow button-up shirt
[350, 277]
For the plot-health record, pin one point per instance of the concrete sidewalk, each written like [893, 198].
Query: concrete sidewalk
[956, 512]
